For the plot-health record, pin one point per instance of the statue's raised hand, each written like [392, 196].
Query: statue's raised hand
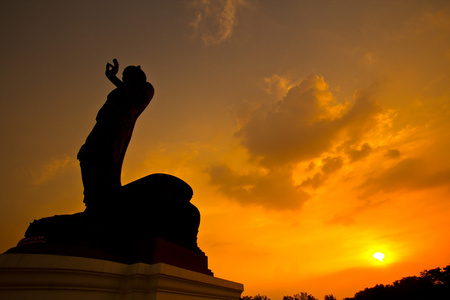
[111, 70]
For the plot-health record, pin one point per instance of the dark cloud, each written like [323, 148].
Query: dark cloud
[361, 117]
[410, 174]
[274, 190]
[347, 217]
[329, 166]
[311, 166]
[303, 125]
[405, 174]
[392, 153]
[314, 182]
[332, 164]
[363, 152]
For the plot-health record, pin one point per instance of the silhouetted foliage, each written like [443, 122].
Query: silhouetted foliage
[431, 284]
[257, 297]
[329, 297]
[301, 296]
[261, 297]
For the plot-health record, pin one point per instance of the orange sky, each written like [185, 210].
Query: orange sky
[314, 133]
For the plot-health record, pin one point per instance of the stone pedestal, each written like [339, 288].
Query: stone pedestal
[150, 251]
[41, 276]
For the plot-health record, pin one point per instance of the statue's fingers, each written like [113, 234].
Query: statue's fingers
[116, 63]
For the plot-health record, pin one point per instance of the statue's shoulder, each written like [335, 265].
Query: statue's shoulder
[117, 92]
[150, 90]
[149, 86]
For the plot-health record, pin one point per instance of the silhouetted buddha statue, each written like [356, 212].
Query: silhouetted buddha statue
[149, 220]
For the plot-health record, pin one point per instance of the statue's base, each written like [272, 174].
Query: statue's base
[40, 276]
[150, 251]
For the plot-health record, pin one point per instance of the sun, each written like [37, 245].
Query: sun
[379, 256]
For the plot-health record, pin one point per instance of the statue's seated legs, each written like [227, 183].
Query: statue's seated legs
[101, 187]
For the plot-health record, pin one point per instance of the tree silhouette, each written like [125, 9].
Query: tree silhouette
[257, 297]
[301, 296]
[261, 297]
[431, 284]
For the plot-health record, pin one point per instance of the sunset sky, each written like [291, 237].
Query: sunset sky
[313, 133]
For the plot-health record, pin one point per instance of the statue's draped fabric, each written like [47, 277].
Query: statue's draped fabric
[102, 155]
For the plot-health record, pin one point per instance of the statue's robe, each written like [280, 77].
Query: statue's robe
[102, 155]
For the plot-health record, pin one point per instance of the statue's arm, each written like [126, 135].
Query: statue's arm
[111, 72]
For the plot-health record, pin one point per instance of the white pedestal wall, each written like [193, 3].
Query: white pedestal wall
[39, 277]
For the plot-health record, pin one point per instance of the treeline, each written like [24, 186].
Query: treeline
[300, 296]
[431, 284]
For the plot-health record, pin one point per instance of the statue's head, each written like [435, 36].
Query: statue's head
[133, 74]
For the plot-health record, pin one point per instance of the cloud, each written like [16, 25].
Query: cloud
[369, 59]
[363, 152]
[393, 153]
[315, 181]
[347, 217]
[215, 20]
[306, 123]
[279, 85]
[51, 169]
[274, 190]
[409, 174]
[332, 164]
[438, 20]
[329, 165]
